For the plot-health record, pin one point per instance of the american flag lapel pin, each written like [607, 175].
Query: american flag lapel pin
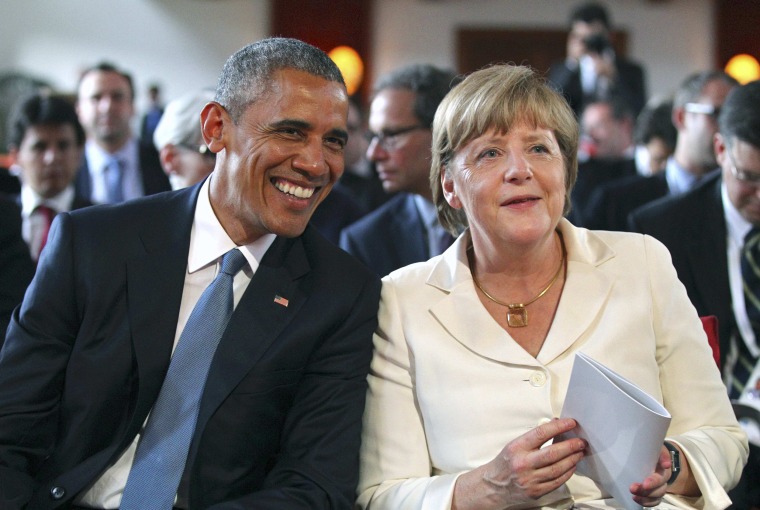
[280, 300]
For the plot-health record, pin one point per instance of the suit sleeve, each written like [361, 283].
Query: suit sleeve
[16, 266]
[319, 459]
[32, 368]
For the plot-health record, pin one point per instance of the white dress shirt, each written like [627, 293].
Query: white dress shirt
[208, 243]
[736, 230]
[679, 179]
[129, 156]
[34, 225]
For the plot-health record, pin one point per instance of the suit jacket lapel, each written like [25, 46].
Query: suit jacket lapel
[708, 261]
[257, 321]
[155, 281]
[408, 234]
[459, 308]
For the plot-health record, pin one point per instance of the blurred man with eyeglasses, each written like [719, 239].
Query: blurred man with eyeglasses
[695, 107]
[185, 157]
[405, 229]
[710, 232]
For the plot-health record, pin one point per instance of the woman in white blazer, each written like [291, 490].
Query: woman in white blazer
[474, 348]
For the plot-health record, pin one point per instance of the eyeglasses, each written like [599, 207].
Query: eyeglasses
[390, 139]
[201, 149]
[743, 176]
[705, 109]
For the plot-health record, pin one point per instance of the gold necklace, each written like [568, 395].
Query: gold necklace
[517, 315]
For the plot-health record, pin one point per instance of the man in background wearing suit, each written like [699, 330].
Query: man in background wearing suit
[405, 229]
[45, 141]
[16, 266]
[695, 116]
[705, 231]
[113, 390]
[116, 167]
[608, 127]
[592, 71]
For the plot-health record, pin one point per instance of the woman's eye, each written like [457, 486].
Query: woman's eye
[541, 149]
[488, 153]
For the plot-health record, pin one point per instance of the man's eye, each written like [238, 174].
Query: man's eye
[335, 142]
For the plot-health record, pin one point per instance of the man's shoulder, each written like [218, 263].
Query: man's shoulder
[636, 184]
[326, 256]
[157, 209]
[674, 212]
[398, 205]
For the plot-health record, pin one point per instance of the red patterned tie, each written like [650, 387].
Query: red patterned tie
[48, 214]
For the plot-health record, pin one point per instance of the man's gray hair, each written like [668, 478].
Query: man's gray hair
[246, 74]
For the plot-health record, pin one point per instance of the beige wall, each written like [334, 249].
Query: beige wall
[183, 43]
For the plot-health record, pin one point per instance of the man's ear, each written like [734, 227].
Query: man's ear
[168, 155]
[12, 155]
[677, 117]
[214, 122]
[449, 190]
[720, 148]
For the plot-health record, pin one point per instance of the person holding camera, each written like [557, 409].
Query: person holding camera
[592, 71]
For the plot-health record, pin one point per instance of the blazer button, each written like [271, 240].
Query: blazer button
[57, 492]
[537, 379]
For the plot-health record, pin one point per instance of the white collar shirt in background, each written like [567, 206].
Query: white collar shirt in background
[33, 222]
[97, 159]
[736, 229]
[679, 179]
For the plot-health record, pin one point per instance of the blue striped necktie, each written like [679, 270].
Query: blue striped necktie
[162, 451]
[750, 264]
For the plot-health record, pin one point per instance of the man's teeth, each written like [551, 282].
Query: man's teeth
[294, 190]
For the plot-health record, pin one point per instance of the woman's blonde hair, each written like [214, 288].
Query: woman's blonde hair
[498, 97]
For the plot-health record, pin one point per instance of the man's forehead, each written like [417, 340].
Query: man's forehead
[103, 80]
[48, 130]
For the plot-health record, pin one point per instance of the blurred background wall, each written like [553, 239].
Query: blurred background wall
[182, 44]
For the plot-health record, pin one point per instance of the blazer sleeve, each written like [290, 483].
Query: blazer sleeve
[703, 423]
[32, 368]
[395, 465]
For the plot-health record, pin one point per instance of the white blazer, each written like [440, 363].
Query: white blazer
[449, 388]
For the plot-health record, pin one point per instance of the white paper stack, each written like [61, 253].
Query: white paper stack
[623, 425]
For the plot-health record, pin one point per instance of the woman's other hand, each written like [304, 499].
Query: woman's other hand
[653, 488]
[523, 471]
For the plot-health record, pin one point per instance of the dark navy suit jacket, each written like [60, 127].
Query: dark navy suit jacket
[611, 203]
[86, 353]
[390, 237]
[693, 228]
[16, 266]
[154, 179]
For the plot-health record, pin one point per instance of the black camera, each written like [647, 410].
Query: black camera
[597, 43]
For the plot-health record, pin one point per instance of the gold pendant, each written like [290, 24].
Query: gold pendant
[517, 317]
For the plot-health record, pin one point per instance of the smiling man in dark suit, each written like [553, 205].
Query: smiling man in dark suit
[88, 370]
